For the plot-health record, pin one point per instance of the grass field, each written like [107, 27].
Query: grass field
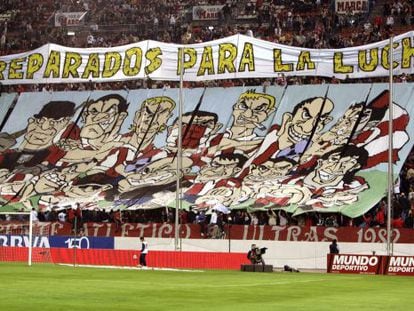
[53, 287]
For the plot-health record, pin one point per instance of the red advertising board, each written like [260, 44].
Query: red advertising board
[128, 258]
[355, 264]
[400, 265]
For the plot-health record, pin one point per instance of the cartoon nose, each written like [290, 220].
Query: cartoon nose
[248, 113]
[45, 125]
[307, 127]
[101, 116]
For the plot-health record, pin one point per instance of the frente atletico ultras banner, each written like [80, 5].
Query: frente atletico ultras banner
[193, 231]
[234, 57]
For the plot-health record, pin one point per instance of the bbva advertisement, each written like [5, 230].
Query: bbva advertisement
[302, 149]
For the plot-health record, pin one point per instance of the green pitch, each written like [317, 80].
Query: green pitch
[53, 287]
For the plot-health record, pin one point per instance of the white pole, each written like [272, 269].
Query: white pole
[179, 152]
[390, 149]
[30, 238]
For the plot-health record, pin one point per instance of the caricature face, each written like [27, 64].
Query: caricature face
[269, 170]
[41, 132]
[218, 169]
[330, 172]
[251, 111]
[53, 180]
[101, 118]
[4, 174]
[152, 117]
[299, 126]
[14, 187]
[343, 128]
[161, 172]
[86, 191]
[201, 129]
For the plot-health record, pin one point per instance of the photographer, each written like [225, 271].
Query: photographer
[255, 255]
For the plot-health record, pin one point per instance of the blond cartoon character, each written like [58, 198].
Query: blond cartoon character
[249, 113]
[150, 120]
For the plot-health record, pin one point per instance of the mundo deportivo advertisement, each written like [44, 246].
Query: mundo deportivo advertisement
[296, 148]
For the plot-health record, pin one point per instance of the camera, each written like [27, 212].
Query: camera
[263, 250]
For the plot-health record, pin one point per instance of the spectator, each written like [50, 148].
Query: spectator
[201, 221]
[62, 216]
[34, 215]
[282, 218]
[272, 218]
[333, 247]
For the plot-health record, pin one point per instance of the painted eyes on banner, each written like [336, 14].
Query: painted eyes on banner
[305, 114]
[43, 120]
[242, 106]
[334, 158]
[263, 168]
[262, 107]
[93, 111]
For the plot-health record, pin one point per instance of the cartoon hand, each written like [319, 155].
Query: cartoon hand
[68, 144]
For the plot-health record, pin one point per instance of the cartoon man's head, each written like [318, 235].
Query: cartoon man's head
[271, 169]
[203, 126]
[343, 128]
[89, 191]
[152, 117]
[308, 117]
[251, 109]
[223, 165]
[47, 125]
[157, 173]
[54, 180]
[339, 165]
[103, 117]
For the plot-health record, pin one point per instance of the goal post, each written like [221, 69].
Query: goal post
[12, 225]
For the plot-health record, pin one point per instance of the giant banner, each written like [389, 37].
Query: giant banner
[300, 148]
[233, 57]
